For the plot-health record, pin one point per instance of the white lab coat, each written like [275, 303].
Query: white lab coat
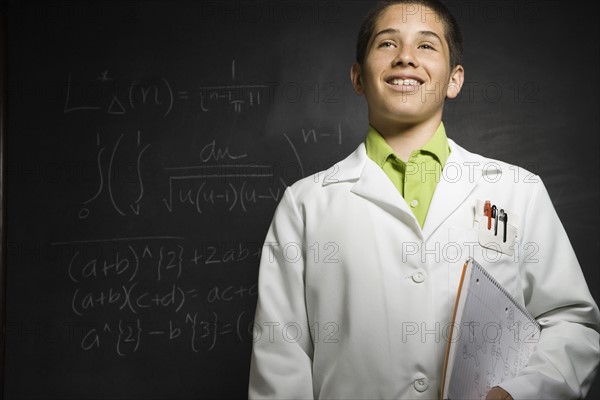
[355, 299]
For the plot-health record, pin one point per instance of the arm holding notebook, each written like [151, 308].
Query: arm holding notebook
[555, 292]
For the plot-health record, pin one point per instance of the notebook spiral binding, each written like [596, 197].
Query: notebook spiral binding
[505, 292]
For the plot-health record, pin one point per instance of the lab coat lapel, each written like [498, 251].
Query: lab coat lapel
[460, 176]
[375, 186]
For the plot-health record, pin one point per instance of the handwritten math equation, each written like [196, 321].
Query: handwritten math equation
[203, 332]
[107, 95]
[221, 181]
[145, 261]
[127, 336]
[152, 291]
[104, 94]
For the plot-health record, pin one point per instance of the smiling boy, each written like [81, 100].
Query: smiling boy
[360, 313]
[407, 72]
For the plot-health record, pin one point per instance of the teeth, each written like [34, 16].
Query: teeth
[405, 82]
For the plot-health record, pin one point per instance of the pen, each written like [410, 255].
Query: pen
[487, 211]
[495, 216]
[504, 218]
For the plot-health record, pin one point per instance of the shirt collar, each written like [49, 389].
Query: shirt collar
[438, 145]
[378, 150]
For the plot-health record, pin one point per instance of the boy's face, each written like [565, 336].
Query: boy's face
[406, 74]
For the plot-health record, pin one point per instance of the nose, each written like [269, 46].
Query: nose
[405, 57]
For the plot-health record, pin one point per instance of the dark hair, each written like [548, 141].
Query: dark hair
[452, 31]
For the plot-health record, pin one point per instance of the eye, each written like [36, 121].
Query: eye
[387, 44]
[426, 46]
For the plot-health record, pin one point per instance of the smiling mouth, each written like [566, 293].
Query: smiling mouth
[404, 82]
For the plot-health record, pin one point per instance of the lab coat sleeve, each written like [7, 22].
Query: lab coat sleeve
[281, 361]
[564, 362]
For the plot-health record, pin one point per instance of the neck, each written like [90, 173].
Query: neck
[404, 139]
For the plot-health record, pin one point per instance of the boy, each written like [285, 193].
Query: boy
[360, 312]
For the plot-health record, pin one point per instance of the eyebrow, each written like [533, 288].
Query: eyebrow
[422, 33]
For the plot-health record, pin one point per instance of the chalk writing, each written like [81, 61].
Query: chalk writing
[315, 136]
[228, 293]
[205, 186]
[130, 298]
[212, 153]
[139, 290]
[154, 262]
[106, 178]
[202, 195]
[128, 336]
[143, 289]
[105, 94]
[119, 264]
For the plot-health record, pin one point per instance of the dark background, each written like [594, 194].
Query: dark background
[148, 144]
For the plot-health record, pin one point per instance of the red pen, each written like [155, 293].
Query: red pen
[487, 211]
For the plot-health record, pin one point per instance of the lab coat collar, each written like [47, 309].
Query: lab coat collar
[460, 175]
[372, 184]
[462, 171]
[376, 186]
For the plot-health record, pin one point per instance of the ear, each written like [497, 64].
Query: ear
[456, 81]
[355, 77]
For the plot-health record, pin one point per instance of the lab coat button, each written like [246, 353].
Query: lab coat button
[418, 276]
[414, 203]
[421, 384]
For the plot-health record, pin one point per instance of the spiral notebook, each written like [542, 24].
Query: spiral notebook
[491, 336]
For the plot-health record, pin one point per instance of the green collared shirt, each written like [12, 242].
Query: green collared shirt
[417, 178]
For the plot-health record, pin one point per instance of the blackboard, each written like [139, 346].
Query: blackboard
[147, 144]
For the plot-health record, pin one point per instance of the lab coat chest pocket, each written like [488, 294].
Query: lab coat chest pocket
[497, 244]
[498, 232]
